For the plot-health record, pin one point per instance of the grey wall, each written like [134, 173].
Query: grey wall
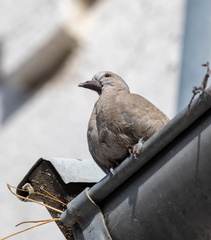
[139, 40]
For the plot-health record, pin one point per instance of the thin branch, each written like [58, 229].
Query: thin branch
[37, 221]
[51, 196]
[26, 229]
[201, 89]
[17, 195]
[41, 194]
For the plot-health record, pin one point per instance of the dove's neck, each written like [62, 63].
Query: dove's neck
[115, 90]
[112, 94]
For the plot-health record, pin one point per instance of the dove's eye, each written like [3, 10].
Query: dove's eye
[107, 75]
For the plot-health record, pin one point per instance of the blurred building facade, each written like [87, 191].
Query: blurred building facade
[47, 48]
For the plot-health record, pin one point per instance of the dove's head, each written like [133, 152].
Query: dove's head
[104, 81]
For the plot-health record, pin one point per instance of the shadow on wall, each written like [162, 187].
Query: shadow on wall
[13, 97]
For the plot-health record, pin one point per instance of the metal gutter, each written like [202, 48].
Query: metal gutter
[147, 198]
[151, 147]
[102, 191]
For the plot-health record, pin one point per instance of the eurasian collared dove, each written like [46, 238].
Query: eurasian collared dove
[120, 121]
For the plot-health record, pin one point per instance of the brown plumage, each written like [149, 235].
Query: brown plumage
[120, 121]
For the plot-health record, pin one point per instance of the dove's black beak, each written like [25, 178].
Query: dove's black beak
[93, 85]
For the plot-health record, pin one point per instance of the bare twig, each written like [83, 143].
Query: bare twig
[32, 200]
[41, 194]
[36, 225]
[39, 222]
[51, 196]
[202, 88]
